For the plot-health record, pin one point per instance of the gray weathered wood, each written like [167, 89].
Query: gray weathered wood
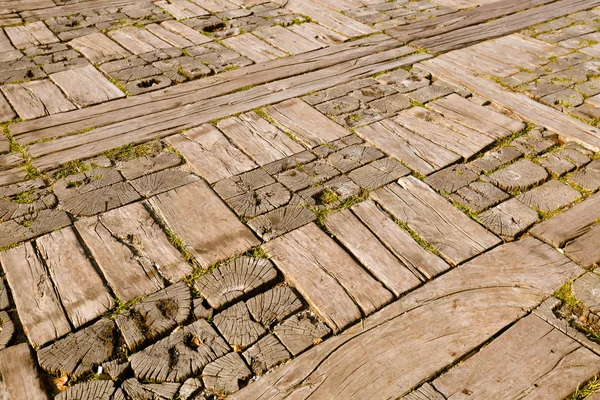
[550, 196]
[98, 48]
[455, 235]
[274, 305]
[307, 175]
[211, 232]
[318, 34]
[329, 18]
[7, 329]
[196, 345]
[519, 176]
[309, 126]
[589, 177]
[4, 300]
[210, 154]
[137, 40]
[445, 132]
[280, 221]
[235, 279]
[264, 142]
[561, 365]
[78, 353]
[86, 86]
[372, 253]
[451, 179]
[266, 354]
[479, 196]
[95, 390]
[100, 200]
[236, 326]
[509, 219]
[143, 391]
[162, 181]
[148, 164]
[19, 375]
[128, 247]
[570, 224]
[326, 276]
[477, 117]
[254, 48]
[32, 225]
[413, 150]
[584, 250]
[585, 289]
[355, 156]
[156, 315]
[224, 375]
[378, 173]
[37, 303]
[301, 331]
[79, 287]
[36, 98]
[420, 334]
[286, 40]
[29, 35]
[190, 387]
[399, 242]
[425, 392]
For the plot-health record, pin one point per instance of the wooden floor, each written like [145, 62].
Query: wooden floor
[324, 199]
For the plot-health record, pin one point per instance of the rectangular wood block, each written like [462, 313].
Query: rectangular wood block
[37, 303]
[86, 85]
[209, 229]
[80, 288]
[456, 236]
[19, 376]
[328, 278]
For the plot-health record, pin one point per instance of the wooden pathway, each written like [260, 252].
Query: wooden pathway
[324, 199]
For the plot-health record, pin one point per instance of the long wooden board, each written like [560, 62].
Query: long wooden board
[38, 305]
[19, 377]
[146, 104]
[568, 128]
[451, 22]
[456, 236]
[505, 368]
[414, 338]
[503, 26]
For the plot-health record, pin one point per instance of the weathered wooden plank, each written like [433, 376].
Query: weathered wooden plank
[309, 126]
[477, 117]
[252, 47]
[115, 236]
[12, 6]
[378, 173]
[7, 330]
[570, 224]
[326, 276]
[399, 242]
[318, 34]
[32, 225]
[30, 35]
[36, 99]
[86, 86]
[503, 369]
[211, 232]
[79, 287]
[98, 48]
[329, 18]
[168, 36]
[19, 375]
[261, 140]
[371, 253]
[456, 236]
[567, 128]
[68, 9]
[415, 151]
[182, 9]
[453, 21]
[503, 26]
[191, 34]
[584, 250]
[138, 40]
[214, 86]
[286, 40]
[179, 118]
[266, 354]
[6, 114]
[210, 154]
[37, 303]
[415, 337]
[445, 132]
[280, 221]
[550, 196]
[162, 181]
[509, 219]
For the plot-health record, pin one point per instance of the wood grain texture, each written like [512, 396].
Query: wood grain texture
[37, 303]
[237, 327]
[19, 375]
[80, 288]
[326, 276]
[584, 250]
[95, 390]
[210, 231]
[456, 236]
[86, 86]
[36, 99]
[503, 369]
[570, 224]
[410, 340]
[329, 18]
[266, 354]
[225, 374]
[274, 305]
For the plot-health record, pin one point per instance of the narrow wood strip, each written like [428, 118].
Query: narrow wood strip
[503, 26]
[568, 128]
[451, 22]
[162, 124]
[202, 89]
[53, 11]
